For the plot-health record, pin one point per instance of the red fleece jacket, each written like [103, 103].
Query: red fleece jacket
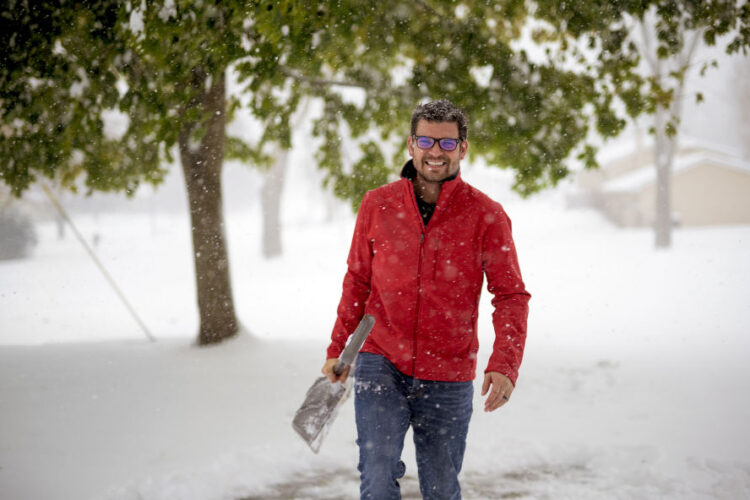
[422, 284]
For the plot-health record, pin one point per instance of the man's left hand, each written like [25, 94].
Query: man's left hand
[499, 386]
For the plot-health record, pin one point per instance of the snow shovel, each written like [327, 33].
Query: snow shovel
[323, 399]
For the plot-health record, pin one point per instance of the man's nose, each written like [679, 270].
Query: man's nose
[435, 148]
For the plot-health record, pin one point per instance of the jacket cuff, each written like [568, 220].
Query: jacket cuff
[505, 370]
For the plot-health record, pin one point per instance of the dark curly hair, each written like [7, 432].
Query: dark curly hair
[441, 110]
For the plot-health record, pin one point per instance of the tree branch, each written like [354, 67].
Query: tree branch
[429, 8]
[325, 83]
[647, 44]
[320, 82]
[687, 55]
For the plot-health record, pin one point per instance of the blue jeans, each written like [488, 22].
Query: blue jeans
[386, 402]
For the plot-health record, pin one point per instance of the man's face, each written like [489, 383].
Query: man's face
[435, 164]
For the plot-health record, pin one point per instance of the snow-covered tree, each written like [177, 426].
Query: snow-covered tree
[69, 69]
[658, 40]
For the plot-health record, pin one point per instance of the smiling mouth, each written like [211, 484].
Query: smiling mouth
[435, 163]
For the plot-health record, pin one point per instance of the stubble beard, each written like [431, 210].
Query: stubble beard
[434, 177]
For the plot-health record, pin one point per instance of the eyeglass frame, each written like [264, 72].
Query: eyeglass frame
[438, 140]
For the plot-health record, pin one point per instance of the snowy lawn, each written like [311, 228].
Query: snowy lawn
[635, 384]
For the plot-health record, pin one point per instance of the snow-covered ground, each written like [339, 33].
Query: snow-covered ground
[635, 384]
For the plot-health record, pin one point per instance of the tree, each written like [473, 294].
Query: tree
[668, 73]
[531, 114]
[273, 186]
[272, 190]
[163, 65]
[742, 94]
[664, 34]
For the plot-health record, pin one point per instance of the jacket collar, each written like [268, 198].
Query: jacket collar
[409, 172]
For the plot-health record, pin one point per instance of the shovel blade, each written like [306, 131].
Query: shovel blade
[315, 415]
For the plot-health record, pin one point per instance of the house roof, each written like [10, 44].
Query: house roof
[646, 175]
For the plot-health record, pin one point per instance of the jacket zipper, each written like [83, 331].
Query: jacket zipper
[419, 302]
[419, 279]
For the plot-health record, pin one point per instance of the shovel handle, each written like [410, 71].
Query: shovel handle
[355, 344]
[339, 368]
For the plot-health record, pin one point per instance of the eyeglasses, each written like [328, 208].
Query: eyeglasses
[446, 143]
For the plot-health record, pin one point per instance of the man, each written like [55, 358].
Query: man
[420, 249]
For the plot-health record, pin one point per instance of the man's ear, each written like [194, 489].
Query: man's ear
[410, 145]
[464, 146]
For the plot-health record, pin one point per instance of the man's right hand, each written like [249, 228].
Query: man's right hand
[327, 370]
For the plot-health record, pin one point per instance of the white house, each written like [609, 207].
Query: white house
[710, 186]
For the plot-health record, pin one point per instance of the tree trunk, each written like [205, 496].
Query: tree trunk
[273, 187]
[663, 155]
[202, 166]
[743, 101]
[665, 150]
[665, 146]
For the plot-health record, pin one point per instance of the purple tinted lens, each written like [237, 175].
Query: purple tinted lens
[448, 144]
[425, 142]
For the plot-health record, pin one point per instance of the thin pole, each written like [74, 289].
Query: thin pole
[98, 263]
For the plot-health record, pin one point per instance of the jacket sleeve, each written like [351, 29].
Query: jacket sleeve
[510, 299]
[356, 287]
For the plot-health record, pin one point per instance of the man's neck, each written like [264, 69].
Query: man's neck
[427, 190]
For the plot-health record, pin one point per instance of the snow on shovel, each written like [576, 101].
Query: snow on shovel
[323, 399]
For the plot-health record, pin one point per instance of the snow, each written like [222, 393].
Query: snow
[635, 382]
